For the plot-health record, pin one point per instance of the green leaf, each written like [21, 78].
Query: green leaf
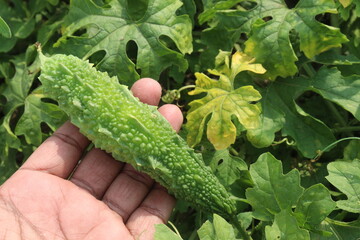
[36, 112]
[340, 230]
[285, 227]
[4, 28]
[45, 34]
[345, 176]
[212, 6]
[269, 41]
[352, 150]
[309, 133]
[16, 16]
[347, 7]
[227, 167]
[213, 40]
[110, 28]
[314, 206]
[273, 191]
[8, 138]
[7, 165]
[222, 102]
[53, 2]
[344, 91]
[245, 219]
[163, 232]
[219, 229]
[269, 25]
[271, 121]
[19, 85]
[189, 8]
[333, 57]
[8, 141]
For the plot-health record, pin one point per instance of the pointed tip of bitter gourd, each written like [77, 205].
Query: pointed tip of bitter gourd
[117, 122]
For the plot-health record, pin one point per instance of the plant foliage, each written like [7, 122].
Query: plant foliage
[270, 91]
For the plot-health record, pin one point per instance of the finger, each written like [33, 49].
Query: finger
[155, 209]
[127, 191]
[96, 172]
[147, 90]
[173, 114]
[59, 154]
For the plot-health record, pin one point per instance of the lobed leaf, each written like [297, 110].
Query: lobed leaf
[226, 167]
[119, 23]
[162, 232]
[272, 120]
[314, 206]
[36, 112]
[315, 37]
[19, 85]
[273, 191]
[269, 25]
[222, 103]
[281, 111]
[285, 227]
[212, 6]
[219, 229]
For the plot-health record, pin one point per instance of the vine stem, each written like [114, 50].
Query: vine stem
[309, 70]
[346, 129]
[336, 113]
[186, 87]
[236, 222]
[333, 144]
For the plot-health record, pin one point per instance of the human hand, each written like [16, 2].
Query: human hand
[51, 197]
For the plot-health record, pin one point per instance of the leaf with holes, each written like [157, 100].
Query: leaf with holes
[271, 24]
[36, 112]
[211, 7]
[226, 167]
[111, 27]
[269, 40]
[8, 141]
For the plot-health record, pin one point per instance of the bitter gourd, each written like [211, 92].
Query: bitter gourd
[117, 122]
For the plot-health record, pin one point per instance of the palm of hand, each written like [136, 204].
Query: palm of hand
[104, 199]
[53, 208]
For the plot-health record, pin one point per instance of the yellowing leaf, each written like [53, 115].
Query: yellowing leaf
[239, 62]
[223, 103]
[345, 3]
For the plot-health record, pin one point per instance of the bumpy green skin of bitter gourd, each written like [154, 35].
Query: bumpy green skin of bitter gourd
[117, 122]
